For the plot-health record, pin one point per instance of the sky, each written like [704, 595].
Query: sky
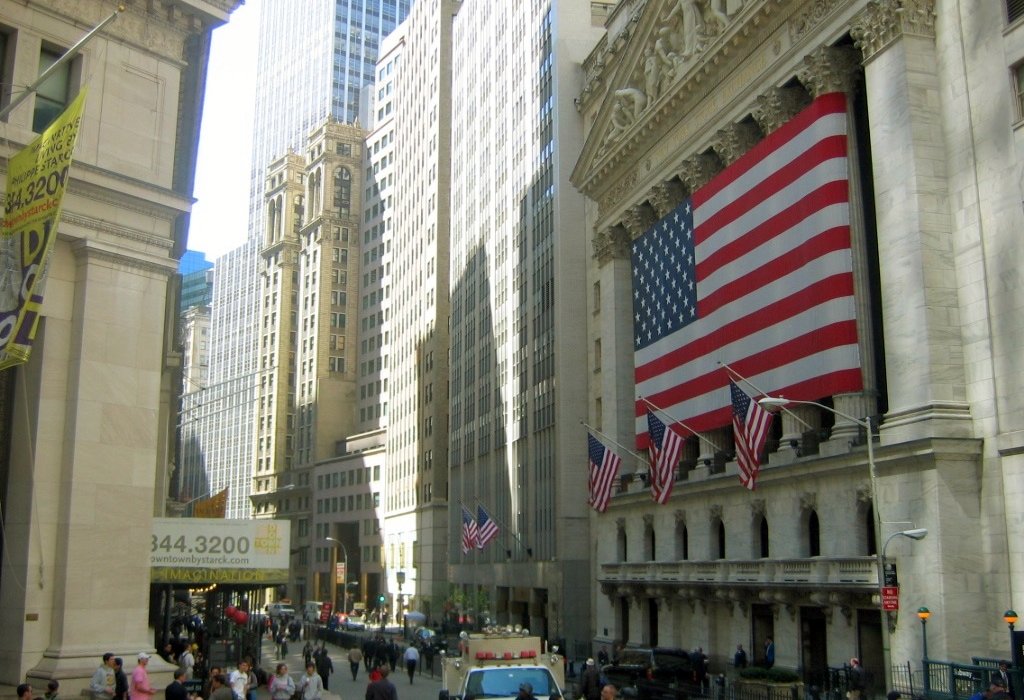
[221, 214]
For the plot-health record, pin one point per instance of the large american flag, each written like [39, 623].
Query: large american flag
[604, 467]
[469, 531]
[754, 270]
[750, 426]
[486, 528]
[666, 447]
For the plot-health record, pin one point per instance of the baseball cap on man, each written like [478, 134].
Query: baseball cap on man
[143, 656]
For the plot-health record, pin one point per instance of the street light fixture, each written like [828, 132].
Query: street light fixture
[1010, 618]
[334, 575]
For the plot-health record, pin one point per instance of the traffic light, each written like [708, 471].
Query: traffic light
[381, 598]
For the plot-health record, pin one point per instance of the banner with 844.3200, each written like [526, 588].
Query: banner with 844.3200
[37, 177]
[207, 550]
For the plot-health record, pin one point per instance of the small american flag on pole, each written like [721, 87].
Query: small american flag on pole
[750, 425]
[604, 467]
[666, 447]
[469, 531]
[486, 528]
[755, 270]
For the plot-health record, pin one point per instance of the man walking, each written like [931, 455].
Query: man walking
[103, 681]
[855, 680]
[324, 666]
[355, 657]
[176, 690]
[412, 657]
[139, 687]
[739, 659]
[590, 682]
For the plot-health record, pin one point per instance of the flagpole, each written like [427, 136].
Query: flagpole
[761, 391]
[613, 441]
[700, 437]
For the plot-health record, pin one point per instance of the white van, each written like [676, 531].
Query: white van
[277, 611]
[311, 610]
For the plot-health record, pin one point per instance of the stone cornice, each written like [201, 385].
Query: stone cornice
[123, 232]
[84, 249]
[884, 21]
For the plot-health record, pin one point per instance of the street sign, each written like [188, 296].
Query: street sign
[890, 598]
[889, 575]
[325, 612]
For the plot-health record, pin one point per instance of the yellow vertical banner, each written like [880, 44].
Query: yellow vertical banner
[37, 177]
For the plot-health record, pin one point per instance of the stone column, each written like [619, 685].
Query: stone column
[920, 310]
[796, 421]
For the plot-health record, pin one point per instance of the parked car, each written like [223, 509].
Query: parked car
[659, 673]
[278, 611]
[353, 622]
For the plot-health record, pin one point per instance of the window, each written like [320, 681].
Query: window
[6, 65]
[1018, 80]
[1014, 10]
[52, 96]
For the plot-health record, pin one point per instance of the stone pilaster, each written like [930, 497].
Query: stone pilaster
[777, 106]
[920, 307]
[734, 140]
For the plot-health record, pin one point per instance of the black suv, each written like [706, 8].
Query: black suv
[661, 673]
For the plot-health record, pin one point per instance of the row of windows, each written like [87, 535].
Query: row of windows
[340, 504]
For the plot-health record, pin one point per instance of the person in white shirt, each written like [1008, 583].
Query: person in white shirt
[239, 680]
[412, 657]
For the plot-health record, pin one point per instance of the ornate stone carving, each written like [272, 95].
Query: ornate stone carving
[734, 140]
[777, 106]
[698, 170]
[639, 218]
[680, 516]
[808, 501]
[612, 243]
[666, 196]
[864, 494]
[812, 17]
[620, 524]
[715, 511]
[757, 507]
[830, 69]
[884, 21]
[618, 191]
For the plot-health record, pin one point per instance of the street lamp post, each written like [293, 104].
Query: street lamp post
[400, 578]
[923, 614]
[1010, 618]
[770, 402]
[334, 576]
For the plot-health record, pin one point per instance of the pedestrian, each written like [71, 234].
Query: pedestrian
[208, 685]
[52, 690]
[609, 692]
[1002, 677]
[307, 652]
[311, 685]
[176, 689]
[739, 659]
[382, 689]
[120, 680]
[219, 688]
[187, 661]
[282, 643]
[239, 681]
[590, 681]
[525, 692]
[24, 692]
[375, 674]
[281, 685]
[855, 680]
[324, 666]
[769, 652]
[355, 657]
[103, 681]
[411, 657]
[602, 656]
[139, 687]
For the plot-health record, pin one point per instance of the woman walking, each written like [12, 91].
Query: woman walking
[311, 685]
[282, 687]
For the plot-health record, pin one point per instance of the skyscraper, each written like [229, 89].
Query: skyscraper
[315, 56]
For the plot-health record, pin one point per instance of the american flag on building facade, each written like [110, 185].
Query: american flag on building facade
[666, 447]
[486, 528]
[750, 426]
[604, 467]
[469, 531]
[753, 270]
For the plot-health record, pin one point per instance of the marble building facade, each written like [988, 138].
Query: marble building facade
[675, 92]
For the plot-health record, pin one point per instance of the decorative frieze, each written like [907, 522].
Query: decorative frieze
[884, 21]
[777, 106]
[830, 69]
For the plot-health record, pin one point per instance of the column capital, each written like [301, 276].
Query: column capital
[734, 140]
[830, 69]
[777, 106]
[611, 244]
[882, 22]
[698, 170]
[666, 196]
[638, 219]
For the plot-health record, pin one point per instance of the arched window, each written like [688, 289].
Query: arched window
[717, 539]
[272, 216]
[682, 542]
[343, 190]
[649, 542]
[315, 193]
[762, 537]
[813, 535]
